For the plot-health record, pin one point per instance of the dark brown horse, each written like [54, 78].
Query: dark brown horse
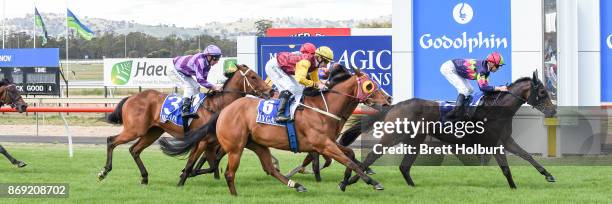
[235, 127]
[139, 115]
[9, 95]
[498, 110]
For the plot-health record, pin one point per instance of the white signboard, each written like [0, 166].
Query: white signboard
[149, 72]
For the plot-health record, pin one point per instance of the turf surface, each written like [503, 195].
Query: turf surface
[446, 184]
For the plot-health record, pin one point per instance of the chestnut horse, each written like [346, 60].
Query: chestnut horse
[139, 115]
[235, 127]
[10, 95]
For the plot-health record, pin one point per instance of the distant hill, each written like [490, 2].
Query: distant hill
[56, 26]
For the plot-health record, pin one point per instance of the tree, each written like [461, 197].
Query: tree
[384, 24]
[164, 53]
[262, 26]
[133, 54]
[154, 54]
[192, 52]
[112, 45]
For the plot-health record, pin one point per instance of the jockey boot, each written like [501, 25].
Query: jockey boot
[280, 114]
[459, 109]
[185, 114]
[186, 109]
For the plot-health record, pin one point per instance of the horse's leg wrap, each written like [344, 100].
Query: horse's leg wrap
[298, 187]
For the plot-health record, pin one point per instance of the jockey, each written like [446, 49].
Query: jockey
[309, 48]
[306, 49]
[198, 65]
[303, 67]
[459, 71]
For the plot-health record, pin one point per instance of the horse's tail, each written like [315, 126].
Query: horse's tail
[115, 117]
[174, 147]
[363, 125]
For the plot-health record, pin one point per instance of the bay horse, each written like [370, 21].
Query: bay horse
[235, 127]
[498, 110]
[140, 115]
[9, 95]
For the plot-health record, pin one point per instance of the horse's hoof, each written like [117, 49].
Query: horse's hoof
[550, 178]
[20, 164]
[370, 172]
[379, 187]
[144, 182]
[300, 189]
[342, 186]
[101, 176]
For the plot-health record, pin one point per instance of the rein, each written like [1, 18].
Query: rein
[510, 93]
[360, 97]
[331, 115]
[517, 97]
[245, 83]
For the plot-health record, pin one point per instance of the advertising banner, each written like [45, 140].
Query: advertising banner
[446, 30]
[371, 54]
[149, 72]
[136, 72]
[307, 32]
[606, 50]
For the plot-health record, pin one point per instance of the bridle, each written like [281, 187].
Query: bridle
[532, 99]
[246, 83]
[362, 93]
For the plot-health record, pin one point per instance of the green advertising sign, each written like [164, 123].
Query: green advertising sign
[120, 73]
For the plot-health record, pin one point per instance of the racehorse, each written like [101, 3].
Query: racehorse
[235, 127]
[140, 115]
[497, 110]
[10, 95]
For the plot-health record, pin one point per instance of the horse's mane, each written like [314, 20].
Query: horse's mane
[337, 75]
[228, 75]
[522, 79]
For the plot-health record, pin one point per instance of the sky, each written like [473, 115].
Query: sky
[190, 13]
